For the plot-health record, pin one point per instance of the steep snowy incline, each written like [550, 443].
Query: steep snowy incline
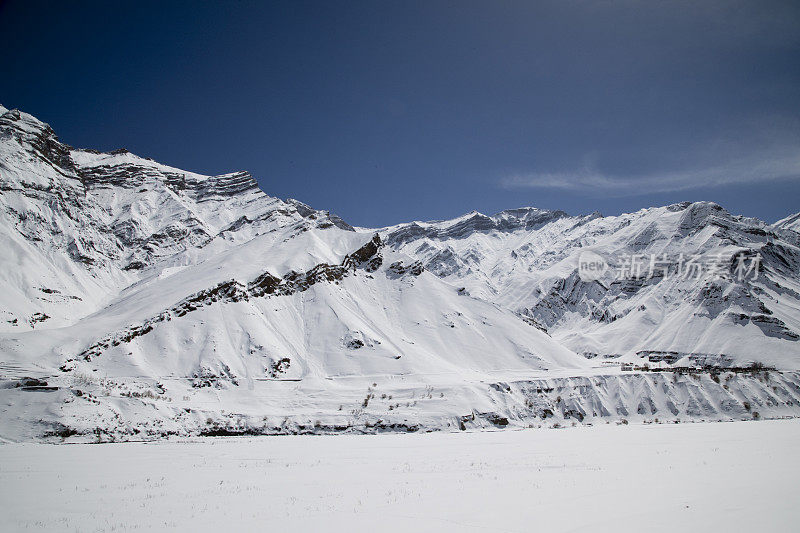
[59, 250]
[791, 222]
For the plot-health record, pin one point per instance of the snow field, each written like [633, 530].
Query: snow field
[688, 477]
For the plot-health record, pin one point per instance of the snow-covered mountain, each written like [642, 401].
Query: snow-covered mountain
[527, 260]
[139, 300]
[82, 225]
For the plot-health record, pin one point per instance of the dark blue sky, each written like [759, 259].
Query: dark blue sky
[390, 111]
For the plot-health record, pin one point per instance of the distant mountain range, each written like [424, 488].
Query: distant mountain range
[139, 301]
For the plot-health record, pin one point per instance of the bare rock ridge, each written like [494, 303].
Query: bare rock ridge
[523, 218]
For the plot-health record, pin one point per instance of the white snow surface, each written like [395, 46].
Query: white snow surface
[141, 301]
[686, 477]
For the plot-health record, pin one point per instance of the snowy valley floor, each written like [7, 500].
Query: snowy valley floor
[734, 476]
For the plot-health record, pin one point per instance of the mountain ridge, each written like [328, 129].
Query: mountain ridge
[140, 300]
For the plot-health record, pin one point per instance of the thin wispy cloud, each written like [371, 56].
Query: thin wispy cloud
[753, 169]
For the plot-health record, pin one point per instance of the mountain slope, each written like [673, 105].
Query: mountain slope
[791, 222]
